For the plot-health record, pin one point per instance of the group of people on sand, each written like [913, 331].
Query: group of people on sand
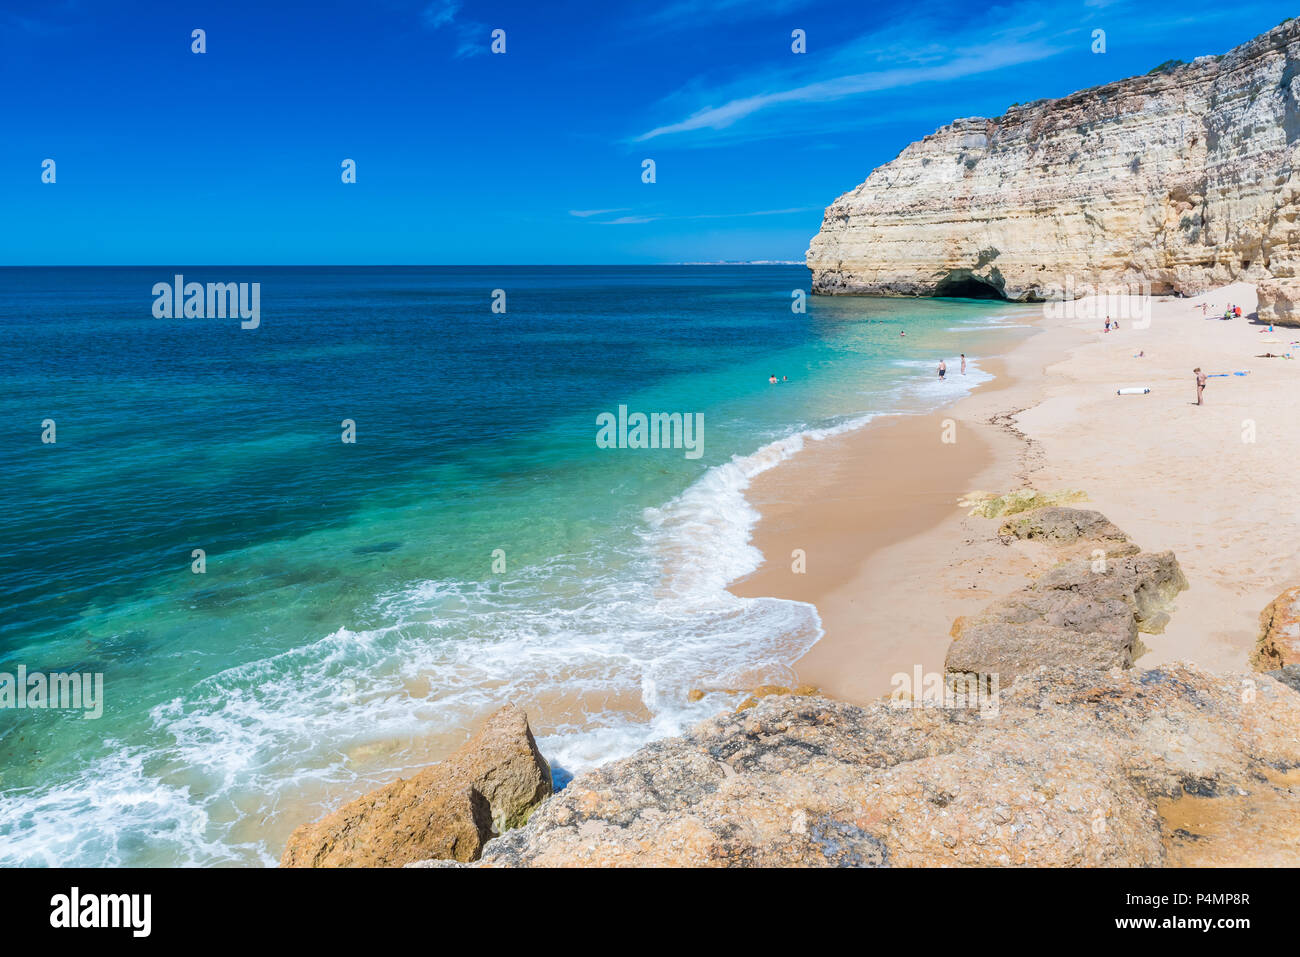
[1111, 324]
[943, 367]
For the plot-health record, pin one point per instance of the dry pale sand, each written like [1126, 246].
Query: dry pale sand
[892, 559]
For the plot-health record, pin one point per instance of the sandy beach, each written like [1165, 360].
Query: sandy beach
[892, 558]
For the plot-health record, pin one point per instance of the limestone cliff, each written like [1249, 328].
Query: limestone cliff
[1182, 179]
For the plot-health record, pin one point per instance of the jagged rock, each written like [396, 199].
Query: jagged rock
[1071, 769]
[1147, 583]
[1279, 301]
[449, 810]
[1068, 526]
[1289, 676]
[989, 505]
[1174, 182]
[764, 691]
[1079, 612]
[1279, 636]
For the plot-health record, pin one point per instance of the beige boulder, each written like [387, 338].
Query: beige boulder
[1279, 637]
[448, 811]
[1066, 526]
[1279, 301]
[1079, 613]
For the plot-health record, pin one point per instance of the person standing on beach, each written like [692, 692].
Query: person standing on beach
[943, 368]
[963, 363]
[1200, 383]
[1107, 328]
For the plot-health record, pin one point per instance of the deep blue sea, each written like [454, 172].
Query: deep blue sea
[365, 604]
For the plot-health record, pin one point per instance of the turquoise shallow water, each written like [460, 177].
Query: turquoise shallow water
[365, 604]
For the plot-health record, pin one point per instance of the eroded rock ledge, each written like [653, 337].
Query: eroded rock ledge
[1073, 762]
[1182, 179]
[1076, 765]
[1087, 610]
[1076, 768]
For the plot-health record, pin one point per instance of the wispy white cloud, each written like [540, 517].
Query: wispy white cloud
[585, 213]
[969, 62]
[935, 45]
[439, 13]
[471, 36]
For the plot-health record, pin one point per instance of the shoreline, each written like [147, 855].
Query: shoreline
[892, 560]
[890, 556]
[875, 511]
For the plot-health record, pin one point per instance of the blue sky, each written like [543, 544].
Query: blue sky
[165, 156]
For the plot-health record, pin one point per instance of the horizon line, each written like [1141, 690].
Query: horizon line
[719, 262]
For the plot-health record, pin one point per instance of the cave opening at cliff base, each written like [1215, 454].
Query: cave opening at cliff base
[966, 286]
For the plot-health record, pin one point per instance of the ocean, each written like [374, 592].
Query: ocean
[359, 606]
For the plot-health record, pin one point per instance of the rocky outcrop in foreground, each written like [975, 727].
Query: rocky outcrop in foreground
[449, 810]
[1066, 763]
[1182, 179]
[1086, 611]
[1074, 767]
[1279, 636]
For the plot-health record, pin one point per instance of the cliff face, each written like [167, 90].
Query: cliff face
[1183, 179]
